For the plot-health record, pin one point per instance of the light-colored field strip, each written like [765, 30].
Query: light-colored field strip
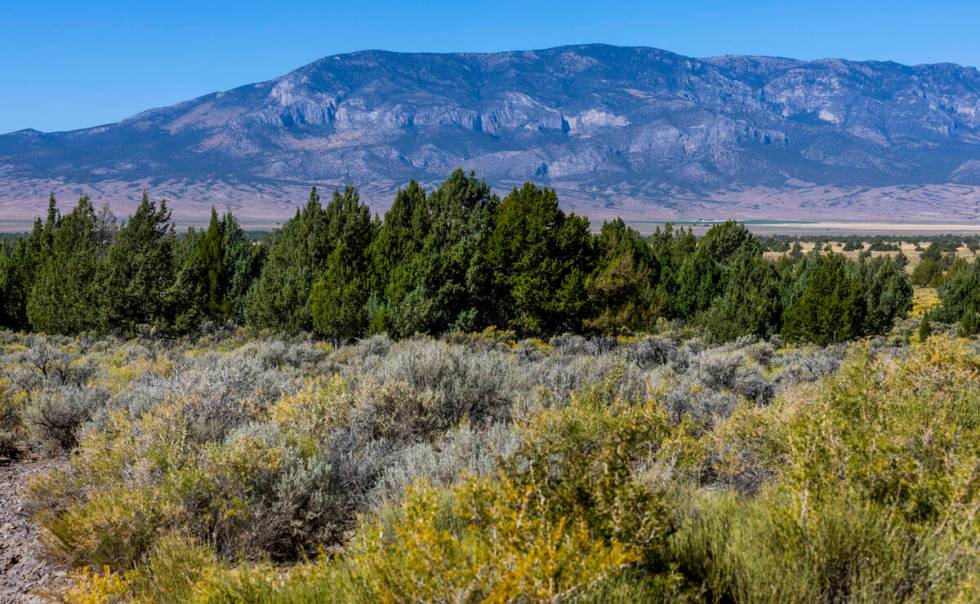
[647, 227]
[828, 228]
[875, 226]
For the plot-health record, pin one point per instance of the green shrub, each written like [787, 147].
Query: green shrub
[113, 527]
[11, 421]
[592, 471]
[784, 547]
[959, 297]
[874, 497]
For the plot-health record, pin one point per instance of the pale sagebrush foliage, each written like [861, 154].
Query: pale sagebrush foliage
[405, 411]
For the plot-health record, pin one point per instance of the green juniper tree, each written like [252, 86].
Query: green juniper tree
[702, 274]
[933, 263]
[925, 328]
[216, 268]
[887, 292]
[25, 258]
[6, 271]
[243, 260]
[539, 259]
[826, 302]
[428, 258]
[140, 269]
[67, 296]
[296, 257]
[622, 287]
[959, 297]
[338, 299]
[669, 250]
[19, 263]
[749, 304]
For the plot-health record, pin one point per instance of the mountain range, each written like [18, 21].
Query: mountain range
[631, 131]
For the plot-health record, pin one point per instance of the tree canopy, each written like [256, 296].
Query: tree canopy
[456, 258]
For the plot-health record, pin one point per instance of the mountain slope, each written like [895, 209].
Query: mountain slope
[637, 131]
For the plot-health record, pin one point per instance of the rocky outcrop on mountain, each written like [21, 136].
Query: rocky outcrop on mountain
[639, 129]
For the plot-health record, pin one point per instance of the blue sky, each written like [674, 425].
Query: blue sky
[69, 64]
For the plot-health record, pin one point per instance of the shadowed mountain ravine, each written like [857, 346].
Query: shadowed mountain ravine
[637, 132]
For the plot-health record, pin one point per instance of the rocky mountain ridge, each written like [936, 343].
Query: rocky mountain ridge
[635, 131]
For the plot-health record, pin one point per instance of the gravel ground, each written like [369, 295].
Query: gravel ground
[24, 570]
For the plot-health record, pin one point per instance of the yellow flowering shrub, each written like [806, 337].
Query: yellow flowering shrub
[907, 433]
[91, 587]
[318, 407]
[923, 300]
[119, 374]
[483, 541]
[862, 487]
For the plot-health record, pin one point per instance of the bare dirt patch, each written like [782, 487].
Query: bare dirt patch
[25, 572]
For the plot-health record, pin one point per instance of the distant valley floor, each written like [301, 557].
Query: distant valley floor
[804, 209]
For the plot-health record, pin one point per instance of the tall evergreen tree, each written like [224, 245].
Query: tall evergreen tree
[6, 281]
[539, 258]
[959, 297]
[670, 248]
[399, 238]
[242, 264]
[211, 255]
[622, 286]
[723, 241]
[67, 297]
[702, 273]
[198, 290]
[140, 268]
[216, 267]
[339, 297]
[749, 304]
[26, 257]
[827, 303]
[428, 252]
[461, 215]
[296, 257]
[887, 292]
[338, 301]
[51, 222]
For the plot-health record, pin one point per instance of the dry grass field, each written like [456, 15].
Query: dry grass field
[924, 299]
[908, 248]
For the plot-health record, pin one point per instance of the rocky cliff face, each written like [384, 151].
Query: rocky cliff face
[639, 129]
